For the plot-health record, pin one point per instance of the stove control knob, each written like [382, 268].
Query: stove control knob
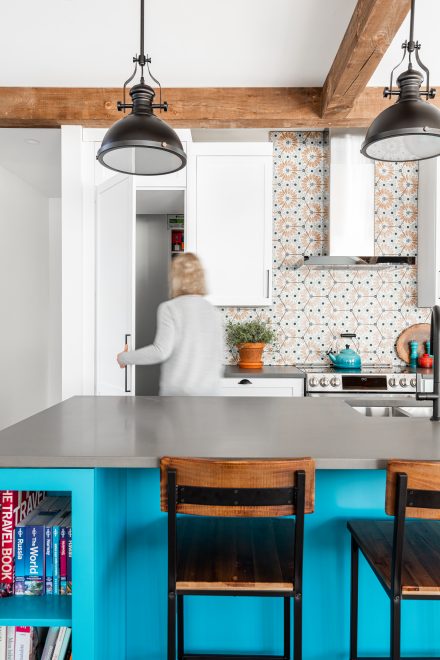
[313, 382]
[392, 382]
[403, 382]
[323, 382]
[413, 382]
[334, 382]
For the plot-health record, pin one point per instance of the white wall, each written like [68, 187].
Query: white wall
[28, 304]
[54, 330]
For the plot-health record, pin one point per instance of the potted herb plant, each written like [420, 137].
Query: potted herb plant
[249, 338]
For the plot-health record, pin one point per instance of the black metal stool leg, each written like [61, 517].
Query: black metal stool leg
[180, 637]
[354, 600]
[287, 628]
[171, 626]
[395, 628]
[297, 627]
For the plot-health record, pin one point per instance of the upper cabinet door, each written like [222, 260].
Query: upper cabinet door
[228, 219]
[115, 264]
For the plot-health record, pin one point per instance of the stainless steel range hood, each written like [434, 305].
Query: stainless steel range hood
[351, 224]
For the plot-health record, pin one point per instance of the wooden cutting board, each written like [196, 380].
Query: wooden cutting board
[420, 332]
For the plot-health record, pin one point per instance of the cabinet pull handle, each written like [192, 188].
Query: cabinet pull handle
[244, 381]
[127, 388]
[267, 283]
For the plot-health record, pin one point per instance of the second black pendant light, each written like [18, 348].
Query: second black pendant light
[410, 129]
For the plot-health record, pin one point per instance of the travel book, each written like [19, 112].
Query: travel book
[34, 580]
[69, 559]
[37, 548]
[15, 506]
[63, 560]
[19, 586]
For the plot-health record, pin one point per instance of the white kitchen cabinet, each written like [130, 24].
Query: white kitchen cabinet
[428, 252]
[248, 386]
[229, 219]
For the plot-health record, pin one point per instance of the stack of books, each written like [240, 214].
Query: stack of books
[15, 506]
[41, 560]
[33, 643]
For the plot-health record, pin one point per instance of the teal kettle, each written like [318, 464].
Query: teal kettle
[346, 359]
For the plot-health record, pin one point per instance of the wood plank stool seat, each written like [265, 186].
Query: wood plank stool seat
[237, 537]
[403, 554]
[421, 554]
[224, 554]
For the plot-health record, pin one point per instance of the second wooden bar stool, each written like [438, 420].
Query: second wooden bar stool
[233, 542]
[404, 554]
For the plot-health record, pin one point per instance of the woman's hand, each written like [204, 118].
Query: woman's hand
[121, 364]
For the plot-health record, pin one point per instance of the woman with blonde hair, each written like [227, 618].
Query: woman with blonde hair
[189, 336]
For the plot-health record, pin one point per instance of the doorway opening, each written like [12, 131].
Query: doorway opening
[160, 235]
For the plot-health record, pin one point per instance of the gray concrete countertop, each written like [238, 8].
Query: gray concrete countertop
[234, 371]
[136, 431]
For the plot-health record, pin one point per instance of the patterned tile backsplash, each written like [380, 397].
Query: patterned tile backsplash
[312, 307]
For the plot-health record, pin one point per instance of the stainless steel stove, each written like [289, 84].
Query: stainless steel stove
[325, 380]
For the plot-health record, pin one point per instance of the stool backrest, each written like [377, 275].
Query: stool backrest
[422, 488]
[236, 487]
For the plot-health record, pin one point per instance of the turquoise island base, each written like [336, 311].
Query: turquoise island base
[118, 607]
[105, 451]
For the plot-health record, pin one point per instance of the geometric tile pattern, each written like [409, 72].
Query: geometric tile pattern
[312, 307]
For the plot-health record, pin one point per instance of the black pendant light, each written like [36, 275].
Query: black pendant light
[410, 129]
[141, 143]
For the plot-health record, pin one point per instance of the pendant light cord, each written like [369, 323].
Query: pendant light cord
[142, 61]
[412, 46]
[411, 26]
[142, 50]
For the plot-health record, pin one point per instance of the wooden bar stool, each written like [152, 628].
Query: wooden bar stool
[233, 542]
[404, 554]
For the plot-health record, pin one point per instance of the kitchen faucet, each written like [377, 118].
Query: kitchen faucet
[434, 396]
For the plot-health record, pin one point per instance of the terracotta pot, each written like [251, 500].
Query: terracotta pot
[425, 361]
[251, 355]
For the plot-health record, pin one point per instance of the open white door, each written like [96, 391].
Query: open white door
[115, 282]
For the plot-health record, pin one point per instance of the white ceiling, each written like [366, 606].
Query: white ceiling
[192, 42]
[37, 164]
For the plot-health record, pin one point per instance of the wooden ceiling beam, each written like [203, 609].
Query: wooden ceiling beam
[371, 30]
[233, 107]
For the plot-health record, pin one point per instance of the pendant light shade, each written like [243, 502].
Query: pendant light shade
[410, 129]
[141, 143]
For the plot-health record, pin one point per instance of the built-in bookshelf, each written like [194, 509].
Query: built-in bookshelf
[96, 609]
[35, 611]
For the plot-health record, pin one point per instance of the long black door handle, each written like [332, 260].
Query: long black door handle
[125, 370]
